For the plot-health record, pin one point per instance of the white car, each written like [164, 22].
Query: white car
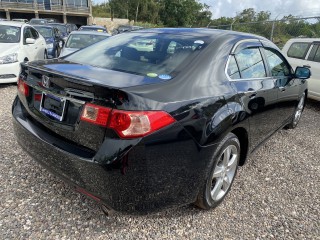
[19, 42]
[81, 39]
[306, 52]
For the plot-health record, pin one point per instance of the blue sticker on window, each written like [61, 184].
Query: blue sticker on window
[165, 76]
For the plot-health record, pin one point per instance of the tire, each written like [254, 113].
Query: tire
[297, 113]
[45, 56]
[222, 173]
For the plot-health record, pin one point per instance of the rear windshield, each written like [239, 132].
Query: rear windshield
[61, 28]
[153, 55]
[44, 31]
[38, 21]
[83, 40]
[9, 34]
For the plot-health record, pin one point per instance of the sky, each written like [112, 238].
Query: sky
[278, 8]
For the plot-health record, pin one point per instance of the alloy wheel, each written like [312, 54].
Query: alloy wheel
[299, 110]
[224, 172]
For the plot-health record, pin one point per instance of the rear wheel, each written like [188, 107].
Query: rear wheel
[222, 174]
[298, 112]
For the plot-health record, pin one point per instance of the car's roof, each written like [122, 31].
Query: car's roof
[205, 32]
[63, 24]
[304, 40]
[89, 33]
[12, 23]
[43, 26]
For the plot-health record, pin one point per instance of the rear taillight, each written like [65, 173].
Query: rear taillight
[127, 124]
[130, 124]
[96, 114]
[23, 87]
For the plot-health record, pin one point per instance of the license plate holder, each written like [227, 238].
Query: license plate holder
[53, 106]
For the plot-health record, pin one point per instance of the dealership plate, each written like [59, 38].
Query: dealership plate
[53, 106]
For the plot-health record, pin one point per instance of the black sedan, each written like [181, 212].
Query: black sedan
[142, 127]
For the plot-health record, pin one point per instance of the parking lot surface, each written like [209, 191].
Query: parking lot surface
[274, 196]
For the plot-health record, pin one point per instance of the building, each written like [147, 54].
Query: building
[72, 11]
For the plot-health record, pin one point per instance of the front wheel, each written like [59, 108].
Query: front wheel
[222, 174]
[297, 113]
[45, 56]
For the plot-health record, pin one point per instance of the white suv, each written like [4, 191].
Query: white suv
[19, 42]
[306, 52]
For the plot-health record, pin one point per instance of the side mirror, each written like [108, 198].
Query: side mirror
[30, 41]
[302, 73]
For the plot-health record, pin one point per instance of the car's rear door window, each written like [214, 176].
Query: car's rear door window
[298, 50]
[233, 70]
[250, 63]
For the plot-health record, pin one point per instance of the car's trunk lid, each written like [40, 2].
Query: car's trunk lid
[59, 91]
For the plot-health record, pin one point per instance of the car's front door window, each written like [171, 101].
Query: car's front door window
[278, 66]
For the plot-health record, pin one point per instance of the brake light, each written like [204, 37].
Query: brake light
[23, 87]
[95, 114]
[130, 124]
[127, 124]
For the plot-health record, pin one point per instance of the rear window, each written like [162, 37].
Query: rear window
[83, 40]
[44, 31]
[38, 21]
[61, 28]
[153, 55]
[298, 50]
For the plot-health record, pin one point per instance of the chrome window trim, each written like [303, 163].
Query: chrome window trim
[243, 41]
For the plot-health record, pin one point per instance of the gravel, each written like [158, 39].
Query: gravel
[275, 195]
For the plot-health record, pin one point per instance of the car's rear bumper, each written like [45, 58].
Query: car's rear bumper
[153, 175]
[9, 72]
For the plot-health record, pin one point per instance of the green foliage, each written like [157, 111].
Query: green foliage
[261, 24]
[101, 10]
[170, 13]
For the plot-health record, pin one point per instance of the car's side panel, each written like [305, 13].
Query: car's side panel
[259, 99]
